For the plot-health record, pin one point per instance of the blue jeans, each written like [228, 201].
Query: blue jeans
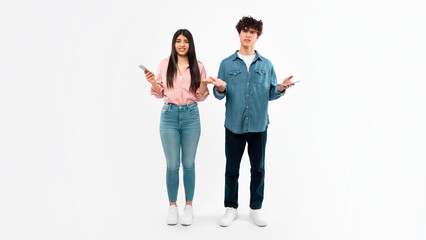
[180, 130]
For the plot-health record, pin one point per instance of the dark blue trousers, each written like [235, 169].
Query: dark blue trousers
[234, 149]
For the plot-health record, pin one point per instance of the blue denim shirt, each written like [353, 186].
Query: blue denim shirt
[247, 93]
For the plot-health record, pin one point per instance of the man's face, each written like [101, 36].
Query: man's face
[248, 37]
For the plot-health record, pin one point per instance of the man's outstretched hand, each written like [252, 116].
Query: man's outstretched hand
[286, 84]
[219, 83]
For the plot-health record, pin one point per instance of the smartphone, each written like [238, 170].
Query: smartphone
[292, 83]
[144, 68]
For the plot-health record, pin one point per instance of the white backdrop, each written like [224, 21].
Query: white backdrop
[80, 152]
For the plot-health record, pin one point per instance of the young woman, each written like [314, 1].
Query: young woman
[181, 82]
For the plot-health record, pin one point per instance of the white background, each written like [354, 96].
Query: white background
[80, 152]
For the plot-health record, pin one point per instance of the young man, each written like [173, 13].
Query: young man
[248, 82]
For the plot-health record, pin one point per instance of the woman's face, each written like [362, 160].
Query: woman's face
[182, 45]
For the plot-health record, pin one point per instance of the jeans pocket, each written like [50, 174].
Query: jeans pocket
[194, 110]
[165, 109]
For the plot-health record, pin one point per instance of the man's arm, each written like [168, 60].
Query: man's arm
[274, 90]
[219, 90]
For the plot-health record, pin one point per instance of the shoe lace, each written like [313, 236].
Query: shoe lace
[171, 212]
[187, 210]
[228, 211]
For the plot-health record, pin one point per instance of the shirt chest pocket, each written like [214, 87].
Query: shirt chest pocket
[235, 77]
[259, 76]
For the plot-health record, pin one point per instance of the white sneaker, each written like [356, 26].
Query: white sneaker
[173, 215]
[230, 215]
[188, 216]
[257, 217]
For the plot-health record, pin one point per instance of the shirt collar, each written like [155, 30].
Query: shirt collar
[256, 57]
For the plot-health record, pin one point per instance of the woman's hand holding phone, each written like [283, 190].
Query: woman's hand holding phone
[150, 77]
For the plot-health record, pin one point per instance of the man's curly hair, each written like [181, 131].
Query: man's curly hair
[249, 22]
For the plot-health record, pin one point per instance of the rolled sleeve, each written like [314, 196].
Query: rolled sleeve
[273, 92]
[201, 97]
[218, 94]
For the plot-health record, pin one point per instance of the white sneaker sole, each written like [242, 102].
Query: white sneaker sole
[187, 223]
[227, 225]
[172, 223]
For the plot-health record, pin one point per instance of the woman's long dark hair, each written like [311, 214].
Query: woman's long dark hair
[192, 59]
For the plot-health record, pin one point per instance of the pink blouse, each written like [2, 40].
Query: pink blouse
[180, 93]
